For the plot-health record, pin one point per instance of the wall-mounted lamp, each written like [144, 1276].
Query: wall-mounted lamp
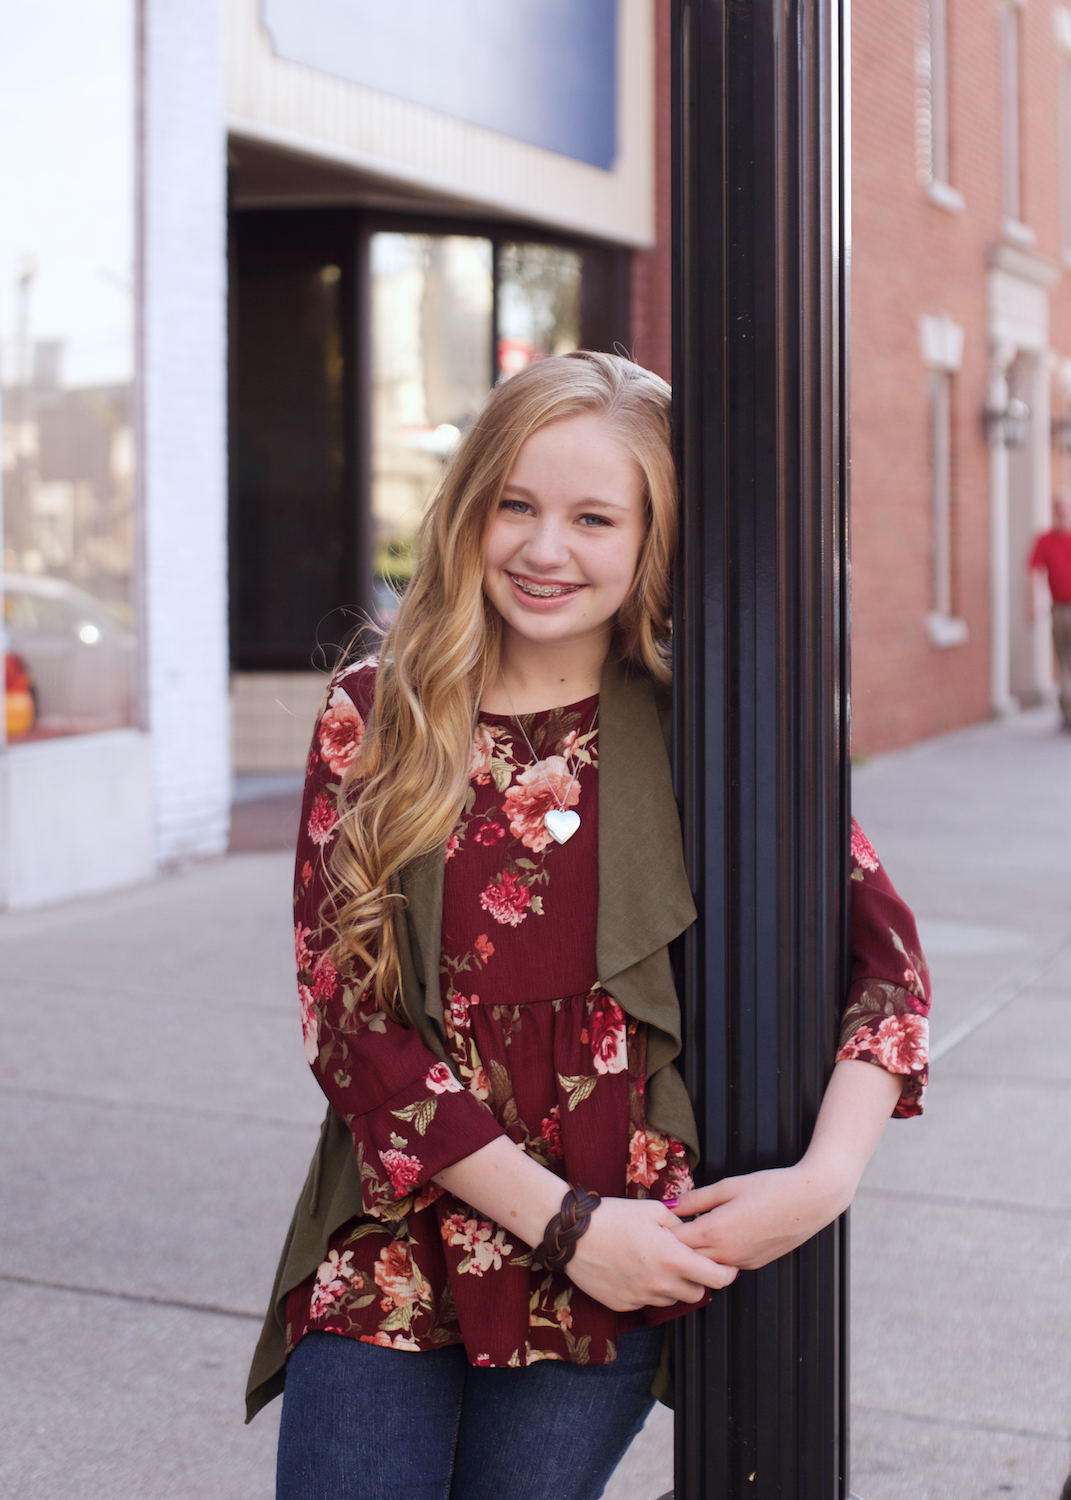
[1061, 433]
[1007, 425]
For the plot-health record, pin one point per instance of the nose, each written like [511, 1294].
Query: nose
[546, 546]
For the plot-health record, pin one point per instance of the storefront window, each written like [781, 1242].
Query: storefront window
[435, 356]
[432, 307]
[67, 363]
[538, 304]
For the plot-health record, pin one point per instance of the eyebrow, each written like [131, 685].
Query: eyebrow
[519, 489]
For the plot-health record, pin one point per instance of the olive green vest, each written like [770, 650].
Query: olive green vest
[644, 903]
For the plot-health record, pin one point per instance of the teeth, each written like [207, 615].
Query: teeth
[544, 590]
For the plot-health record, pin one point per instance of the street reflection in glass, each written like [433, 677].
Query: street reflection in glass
[538, 304]
[435, 354]
[67, 363]
[432, 301]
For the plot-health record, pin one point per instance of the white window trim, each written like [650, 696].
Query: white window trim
[1018, 233]
[932, 130]
[1011, 191]
[941, 346]
[1062, 24]
[943, 196]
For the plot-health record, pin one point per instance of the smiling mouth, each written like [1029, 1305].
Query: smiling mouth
[545, 590]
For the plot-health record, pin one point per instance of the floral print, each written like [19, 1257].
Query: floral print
[862, 851]
[310, 1026]
[885, 1020]
[331, 1281]
[608, 1050]
[397, 1276]
[536, 791]
[322, 820]
[403, 1171]
[440, 1080]
[536, 1050]
[901, 1043]
[550, 1132]
[646, 1157]
[340, 733]
[507, 899]
[483, 1243]
[483, 748]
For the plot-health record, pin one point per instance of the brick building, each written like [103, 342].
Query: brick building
[961, 156]
[961, 183]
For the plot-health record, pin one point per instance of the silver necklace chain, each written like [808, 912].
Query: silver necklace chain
[561, 803]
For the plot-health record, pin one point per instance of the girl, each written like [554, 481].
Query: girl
[488, 876]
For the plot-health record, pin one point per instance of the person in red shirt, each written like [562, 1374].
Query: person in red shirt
[1052, 555]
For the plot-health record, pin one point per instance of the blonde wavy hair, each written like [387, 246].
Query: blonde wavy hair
[402, 797]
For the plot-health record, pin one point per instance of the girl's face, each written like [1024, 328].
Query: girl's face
[560, 552]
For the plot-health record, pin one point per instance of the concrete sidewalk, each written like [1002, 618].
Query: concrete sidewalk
[961, 1247]
[157, 1116]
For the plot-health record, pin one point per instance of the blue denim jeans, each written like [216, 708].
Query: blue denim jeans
[361, 1422]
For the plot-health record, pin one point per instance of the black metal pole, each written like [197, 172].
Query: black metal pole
[761, 640]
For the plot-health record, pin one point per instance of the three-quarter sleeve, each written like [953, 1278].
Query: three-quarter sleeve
[886, 1018]
[409, 1114]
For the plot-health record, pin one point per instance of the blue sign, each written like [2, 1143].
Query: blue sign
[542, 71]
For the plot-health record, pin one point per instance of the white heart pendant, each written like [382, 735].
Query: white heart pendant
[561, 825]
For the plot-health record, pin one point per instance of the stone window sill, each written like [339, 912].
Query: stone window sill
[1019, 234]
[944, 631]
[942, 195]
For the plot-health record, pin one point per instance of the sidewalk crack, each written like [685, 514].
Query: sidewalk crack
[961, 1424]
[211, 1308]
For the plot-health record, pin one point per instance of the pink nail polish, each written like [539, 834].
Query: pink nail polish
[670, 1202]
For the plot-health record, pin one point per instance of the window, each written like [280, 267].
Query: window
[931, 114]
[538, 304]
[67, 323]
[432, 348]
[1011, 124]
[362, 347]
[1063, 42]
[941, 343]
[450, 315]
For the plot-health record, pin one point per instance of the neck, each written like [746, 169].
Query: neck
[534, 677]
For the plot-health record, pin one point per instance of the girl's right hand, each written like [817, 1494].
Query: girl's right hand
[633, 1253]
[631, 1257]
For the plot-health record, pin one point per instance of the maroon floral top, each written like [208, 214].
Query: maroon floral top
[539, 1052]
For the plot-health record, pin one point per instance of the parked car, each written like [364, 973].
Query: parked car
[79, 656]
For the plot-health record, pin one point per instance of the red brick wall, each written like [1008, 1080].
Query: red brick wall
[909, 258]
[912, 258]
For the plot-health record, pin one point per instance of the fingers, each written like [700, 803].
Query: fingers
[664, 1270]
[707, 1274]
[700, 1200]
[698, 1237]
[698, 1273]
[691, 1287]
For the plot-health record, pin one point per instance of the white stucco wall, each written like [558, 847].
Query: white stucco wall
[77, 814]
[184, 442]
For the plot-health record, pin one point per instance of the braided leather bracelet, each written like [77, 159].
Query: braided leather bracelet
[560, 1236]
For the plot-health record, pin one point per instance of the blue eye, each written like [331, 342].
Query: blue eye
[593, 521]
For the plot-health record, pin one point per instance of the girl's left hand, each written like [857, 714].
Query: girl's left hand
[750, 1221]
